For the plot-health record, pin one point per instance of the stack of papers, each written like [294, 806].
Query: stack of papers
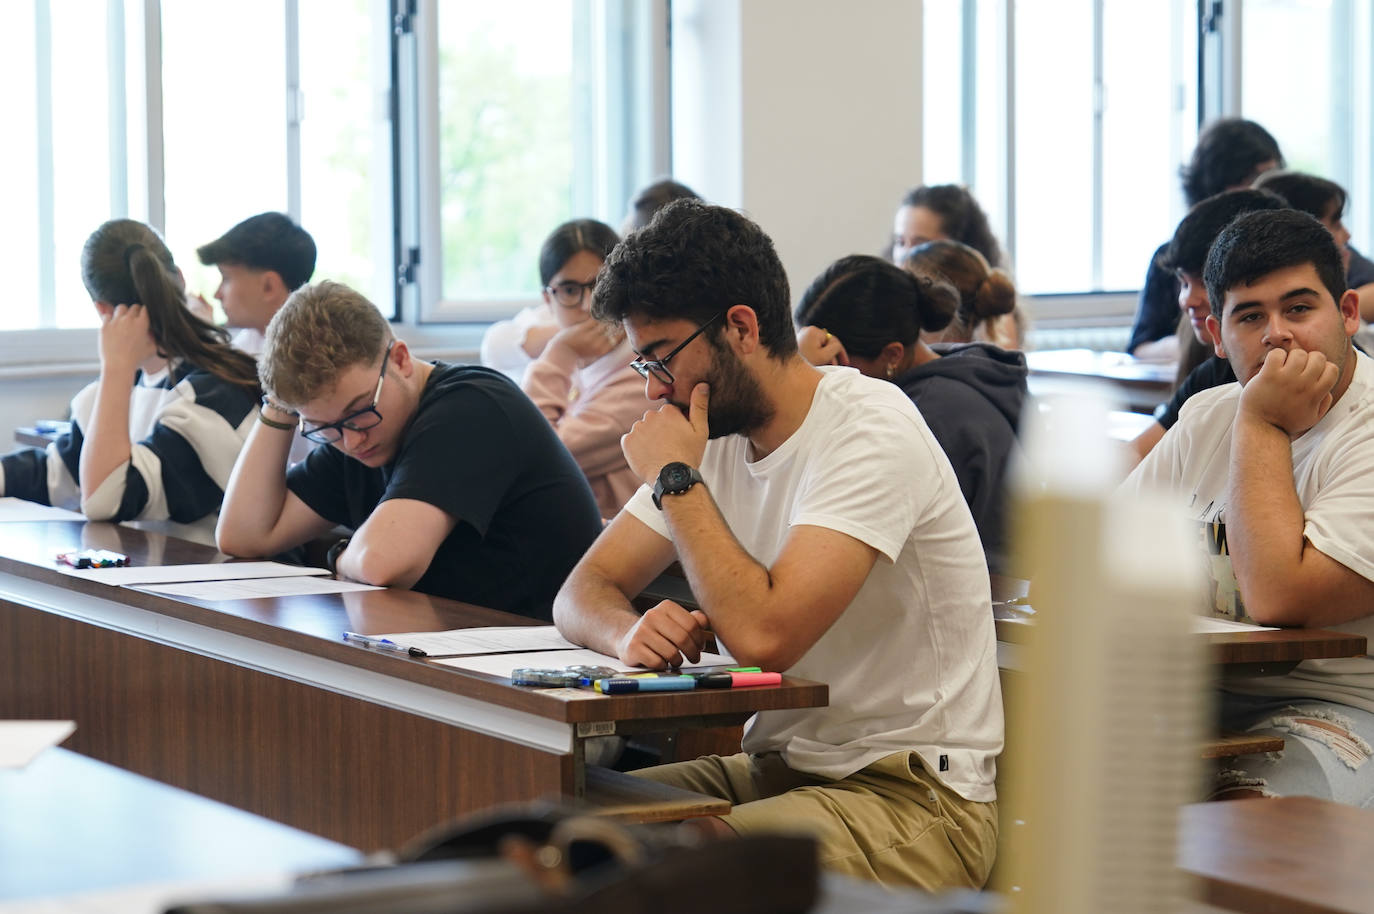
[504, 664]
[1208, 625]
[218, 581]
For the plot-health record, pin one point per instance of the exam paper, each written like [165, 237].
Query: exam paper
[16, 509]
[1211, 624]
[503, 664]
[21, 741]
[255, 588]
[168, 574]
[489, 640]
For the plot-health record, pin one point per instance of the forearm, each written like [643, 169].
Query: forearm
[591, 610]
[735, 591]
[370, 561]
[256, 494]
[106, 446]
[1264, 524]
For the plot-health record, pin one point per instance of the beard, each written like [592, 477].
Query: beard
[738, 405]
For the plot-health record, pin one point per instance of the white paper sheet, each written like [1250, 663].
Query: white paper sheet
[16, 509]
[151, 898]
[488, 640]
[169, 574]
[502, 664]
[21, 741]
[255, 588]
[1211, 624]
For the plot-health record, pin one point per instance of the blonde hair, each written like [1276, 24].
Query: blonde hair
[323, 330]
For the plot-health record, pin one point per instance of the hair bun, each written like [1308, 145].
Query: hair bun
[938, 301]
[995, 296]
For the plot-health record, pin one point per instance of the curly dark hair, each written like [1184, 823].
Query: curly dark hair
[691, 262]
[1228, 153]
[961, 218]
[1260, 243]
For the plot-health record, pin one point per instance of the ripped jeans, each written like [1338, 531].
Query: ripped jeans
[1327, 751]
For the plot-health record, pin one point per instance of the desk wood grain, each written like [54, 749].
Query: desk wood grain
[1297, 855]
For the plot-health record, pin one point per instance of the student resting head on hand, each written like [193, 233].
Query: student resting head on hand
[156, 436]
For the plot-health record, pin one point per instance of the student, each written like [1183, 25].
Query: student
[652, 199]
[1230, 154]
[261, 261]
[156, 436]
[865, 312]
[948, 212]
[1325, 201]
[1278, 468]
[823, 533]
[582, 382]
[453, 483]
[1184, 257]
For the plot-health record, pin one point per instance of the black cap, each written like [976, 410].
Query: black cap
[267, 241]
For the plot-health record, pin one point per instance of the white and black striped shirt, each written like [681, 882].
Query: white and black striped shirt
[186, 427]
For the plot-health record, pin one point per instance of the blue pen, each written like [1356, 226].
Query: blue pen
[622, 684]
[383, 644]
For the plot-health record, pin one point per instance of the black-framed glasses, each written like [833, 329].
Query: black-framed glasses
[570, 294]
[659, 367]
[357, 421]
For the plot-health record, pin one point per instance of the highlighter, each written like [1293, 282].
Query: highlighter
[624, 684]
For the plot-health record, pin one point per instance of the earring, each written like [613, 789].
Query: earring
[891, 370]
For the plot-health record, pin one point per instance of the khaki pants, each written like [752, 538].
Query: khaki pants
[890, 822]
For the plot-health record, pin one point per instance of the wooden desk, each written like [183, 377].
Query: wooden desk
[260, 704]
[1141, 385]
[1239, 654]
[73, 824]
[1298, 855]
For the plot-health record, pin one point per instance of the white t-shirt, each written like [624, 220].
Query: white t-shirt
[1333, 470]
[912, 661]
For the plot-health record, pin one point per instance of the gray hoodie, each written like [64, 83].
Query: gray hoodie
[971, 397]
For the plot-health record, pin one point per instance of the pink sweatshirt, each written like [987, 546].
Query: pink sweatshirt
[591, 408]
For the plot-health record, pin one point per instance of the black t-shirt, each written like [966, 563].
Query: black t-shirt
[1156, 312]
[480, 451]
[1212, 373]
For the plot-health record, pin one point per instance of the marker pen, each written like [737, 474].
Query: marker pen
[623, 684]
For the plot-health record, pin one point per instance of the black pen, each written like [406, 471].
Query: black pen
[383, 644]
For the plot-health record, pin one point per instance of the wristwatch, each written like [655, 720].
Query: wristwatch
[674, 479]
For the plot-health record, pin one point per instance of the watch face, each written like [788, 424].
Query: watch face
[676, 476]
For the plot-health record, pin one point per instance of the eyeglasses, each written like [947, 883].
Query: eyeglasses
[570, 294]
[358, 421]
[659, 367]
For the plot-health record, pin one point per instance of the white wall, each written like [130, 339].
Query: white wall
[26, 398]
[803, 113]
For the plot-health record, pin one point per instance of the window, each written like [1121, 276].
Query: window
[305, 130]
[544, 113]
[509, 118]
[1077, 162]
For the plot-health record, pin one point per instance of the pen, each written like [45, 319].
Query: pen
[383, 644]
[622, 684]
